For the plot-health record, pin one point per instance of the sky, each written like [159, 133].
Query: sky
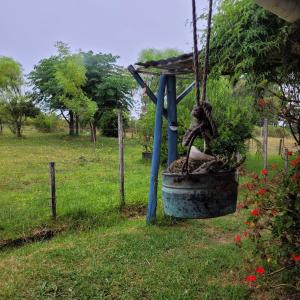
[30, 28]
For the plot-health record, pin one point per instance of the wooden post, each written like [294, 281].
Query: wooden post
[286, 159]
[152, 198]
[280, 147]
[121, 159]
[52, 189]
[265, 143]
[172, 118]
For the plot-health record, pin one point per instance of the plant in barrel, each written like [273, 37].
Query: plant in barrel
[202, 184]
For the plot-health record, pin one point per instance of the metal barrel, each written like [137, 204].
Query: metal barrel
[199, 196]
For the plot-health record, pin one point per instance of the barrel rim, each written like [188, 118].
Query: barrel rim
[180, 175]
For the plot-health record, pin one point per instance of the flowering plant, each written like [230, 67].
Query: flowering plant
[274, 227]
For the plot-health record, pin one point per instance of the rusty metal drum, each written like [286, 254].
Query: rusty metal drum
[199, 196]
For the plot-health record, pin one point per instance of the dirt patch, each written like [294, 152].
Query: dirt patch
[36, 236]
[131, 211]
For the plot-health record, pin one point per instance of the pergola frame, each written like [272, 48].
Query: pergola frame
[167, 86]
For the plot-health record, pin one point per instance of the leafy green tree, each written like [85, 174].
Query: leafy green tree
[15, 108]
[103, 83]
[70, 75]
[107, 84]
[252, 43]
[14, 105]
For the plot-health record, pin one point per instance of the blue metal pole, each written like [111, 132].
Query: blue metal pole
[185, 92]
[172, 118]
[152, 198]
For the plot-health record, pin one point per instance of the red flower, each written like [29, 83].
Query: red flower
[255, 176]
[261, 192]
[274, 212]
[237, 239]
[245, 233]
[295, 162]
[251, 278]
[264, 172]
[296, 257]
[255, 212]
[290, 153]
[260, 270]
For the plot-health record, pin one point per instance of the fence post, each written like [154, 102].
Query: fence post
[121, 158]
[286, 159]
[280, 147]
[265, 142]
[52, 189]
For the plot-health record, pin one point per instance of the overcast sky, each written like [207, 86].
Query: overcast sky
[29, 28]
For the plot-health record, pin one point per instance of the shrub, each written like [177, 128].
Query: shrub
[274, 226]
[46, 123]
[109, 123]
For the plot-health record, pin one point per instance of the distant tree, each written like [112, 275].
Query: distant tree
[70, 75]
[14, 105]
[97, 76]
[15, 108]
[107, 84]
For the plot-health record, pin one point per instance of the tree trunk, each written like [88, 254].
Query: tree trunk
[93, 129]
[71, 124]
[18, 130]
[77, 125]
[1, 127]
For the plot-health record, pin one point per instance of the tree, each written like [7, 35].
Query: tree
[70, 75]
[252, 43]
[15, 108]
[14, 105]
[103, 82]
[107, 84]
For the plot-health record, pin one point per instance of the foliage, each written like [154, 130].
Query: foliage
[15, 108]
[109, 123]
[252, 43]
[86, 83]
[274, 225]
[232, 109]
[70, 76]
[10, 73]
[46, 122]
[234, 114]
[14, 105]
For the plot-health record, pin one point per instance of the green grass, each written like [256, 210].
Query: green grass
[103, 254]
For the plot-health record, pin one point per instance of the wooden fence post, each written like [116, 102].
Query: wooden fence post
[280, 147]
[52, 189]
[121, 159]
[265, 142]
[286, 159]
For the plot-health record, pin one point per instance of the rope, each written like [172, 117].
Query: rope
[207, 50]
[196, 54]
[202, 112]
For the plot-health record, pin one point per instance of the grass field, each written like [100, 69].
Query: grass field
[101, 253]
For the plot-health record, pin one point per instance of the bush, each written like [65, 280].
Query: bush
[46, 123]
[274, 227]
[233, 111]
[109, 123]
